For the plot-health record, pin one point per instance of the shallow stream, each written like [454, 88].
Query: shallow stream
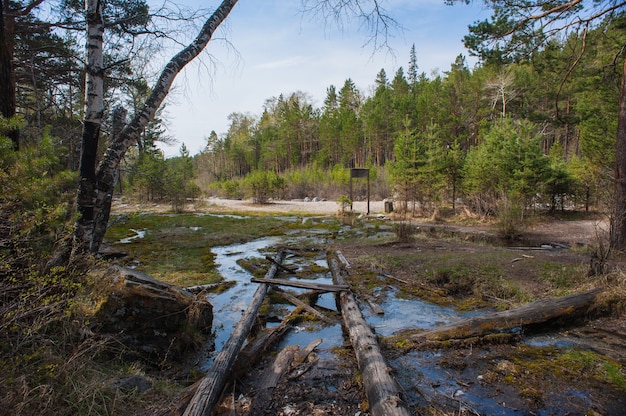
[426, 377]
[228, 306]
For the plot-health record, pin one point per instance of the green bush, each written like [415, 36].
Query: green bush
[262, 185]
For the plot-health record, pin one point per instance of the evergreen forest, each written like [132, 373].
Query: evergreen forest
[536, 133]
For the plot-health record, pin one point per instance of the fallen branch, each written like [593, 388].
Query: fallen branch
[297, 302]
[305, 285]
[538, 312]
[201, 288]
[210, 389]
[285, 268]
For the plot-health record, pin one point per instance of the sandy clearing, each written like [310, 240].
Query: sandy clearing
[294, 206]
[213, 204]
[578, 232]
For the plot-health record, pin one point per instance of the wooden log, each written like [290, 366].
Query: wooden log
[300, 357]
[383, 392]
[199, 288]
[344, 260]
[253, 351]
[375, 307]
[210, 389]
[285, 268]
[270, 380]
[287, 358]
[297, 302]
[534, 313]
[305, 285]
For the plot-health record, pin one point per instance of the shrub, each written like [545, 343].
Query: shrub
[262, 185]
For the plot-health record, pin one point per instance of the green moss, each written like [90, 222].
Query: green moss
[565, 366]
[177, 248]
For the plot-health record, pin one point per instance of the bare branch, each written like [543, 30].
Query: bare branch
[373, 18]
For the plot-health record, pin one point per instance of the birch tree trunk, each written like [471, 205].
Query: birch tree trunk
[94, 109]
[98, 192]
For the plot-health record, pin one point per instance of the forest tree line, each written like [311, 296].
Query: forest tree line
[537, 129]
[532, 132]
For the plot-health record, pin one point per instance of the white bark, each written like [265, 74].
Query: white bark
[94, 82]
[94, 109]
[106, 173]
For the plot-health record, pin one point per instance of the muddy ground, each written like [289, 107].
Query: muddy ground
[571, 368]
[563, 371]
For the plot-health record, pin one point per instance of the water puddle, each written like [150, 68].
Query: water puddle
[138, 234]
[420, 373]
[229, 305]
[407, 313]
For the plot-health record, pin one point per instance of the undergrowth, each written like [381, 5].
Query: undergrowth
[50, 363]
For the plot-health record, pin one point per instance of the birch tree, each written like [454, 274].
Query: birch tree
[92, 120]
[96, 186]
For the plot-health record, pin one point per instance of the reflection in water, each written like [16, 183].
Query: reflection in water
[229, 305]
[408, 313]
[419, 372]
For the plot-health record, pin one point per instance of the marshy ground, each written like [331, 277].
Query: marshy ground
[575, 367]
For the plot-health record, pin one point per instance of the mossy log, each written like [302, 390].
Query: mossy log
[210, 389]
[383, 392]
[535, 313]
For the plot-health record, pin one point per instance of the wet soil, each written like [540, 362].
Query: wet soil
[572, 368]
[550, 371]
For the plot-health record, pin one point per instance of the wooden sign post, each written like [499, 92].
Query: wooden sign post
[360, 173]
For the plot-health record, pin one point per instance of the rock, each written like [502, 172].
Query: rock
[506, 368]
[152, 319]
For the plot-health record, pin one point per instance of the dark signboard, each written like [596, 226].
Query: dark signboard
[359, 173]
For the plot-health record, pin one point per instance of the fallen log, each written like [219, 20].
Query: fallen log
[376, 308]
[304, 285]
[252, 352]
[270, 380]
[300, 357]
[210, 389]
[297, 302]
[534, 313]
[200, 288]
[285, 268]
[287, 359]
[383, 392]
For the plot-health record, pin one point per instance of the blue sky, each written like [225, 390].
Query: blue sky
[272, 48]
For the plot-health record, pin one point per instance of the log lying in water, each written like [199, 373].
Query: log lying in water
[210, 389]
[383, 392]
[305, 285]
[285, 361]
[297, 302]
[253, 351]
[270, 380]
[534, 313]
